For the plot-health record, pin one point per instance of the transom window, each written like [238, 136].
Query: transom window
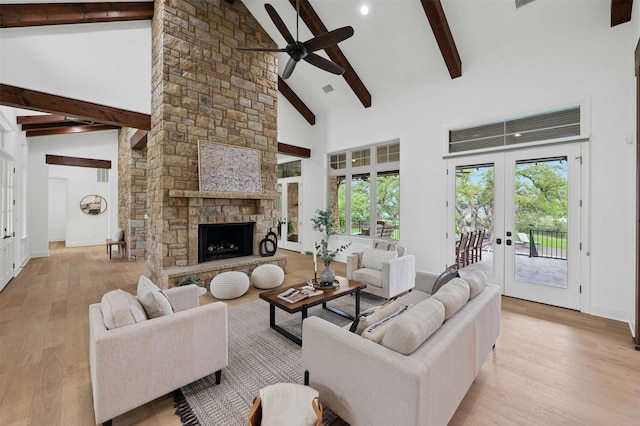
[364, 190]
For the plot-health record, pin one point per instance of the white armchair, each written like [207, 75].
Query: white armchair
[386, 276]
[135, 364]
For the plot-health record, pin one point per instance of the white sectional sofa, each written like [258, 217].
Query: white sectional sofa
[366, 383]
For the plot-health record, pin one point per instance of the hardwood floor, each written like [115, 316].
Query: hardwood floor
[550, 365]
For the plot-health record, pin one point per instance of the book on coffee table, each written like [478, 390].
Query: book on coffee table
[296, 294]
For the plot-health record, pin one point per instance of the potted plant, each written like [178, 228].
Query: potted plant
[192, 279]
[324, 222]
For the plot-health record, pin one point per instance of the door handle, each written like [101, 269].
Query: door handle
[498, 240]
[508, 242]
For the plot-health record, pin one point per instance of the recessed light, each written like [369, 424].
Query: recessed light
[364, 9]
[517, 135]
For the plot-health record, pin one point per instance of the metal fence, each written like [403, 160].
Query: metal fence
[541, 243]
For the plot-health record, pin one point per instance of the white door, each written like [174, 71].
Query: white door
[529, 203]
[6, 221]
[289, 213]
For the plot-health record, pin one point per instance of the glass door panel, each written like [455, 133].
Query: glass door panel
[289, 214]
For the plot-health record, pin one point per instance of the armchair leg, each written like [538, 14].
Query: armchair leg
[107, 423]
[218, 376]
[306, 377]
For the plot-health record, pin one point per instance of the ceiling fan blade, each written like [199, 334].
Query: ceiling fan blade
[324, 64]
[328, 39]
[289, 68]
[260, 49]
[279, 23]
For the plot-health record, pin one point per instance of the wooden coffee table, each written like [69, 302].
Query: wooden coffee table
[346, 287]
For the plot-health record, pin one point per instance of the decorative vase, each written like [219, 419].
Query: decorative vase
[327, 276]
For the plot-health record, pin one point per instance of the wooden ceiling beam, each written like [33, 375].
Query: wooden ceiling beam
[139, 139]
[61, 160]
[620, 11]
[55, 125]
[293, 150]
[296, 101]
[30, 99]
[444, 38]
[44, 118]
[67, 130]
[313, 22]
[38, 14]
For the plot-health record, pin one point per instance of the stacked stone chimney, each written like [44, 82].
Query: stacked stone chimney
[205, 89]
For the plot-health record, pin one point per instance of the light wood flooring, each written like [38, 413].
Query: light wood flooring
[551, 366]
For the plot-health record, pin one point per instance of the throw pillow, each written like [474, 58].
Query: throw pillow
[373, 258]
[373, 315]
[288, 404]
[412, 329]
[453, 296]
[444, 278]
[477, 280]
[377, 331]
[152, 299]
[120, 308]
[385, 245]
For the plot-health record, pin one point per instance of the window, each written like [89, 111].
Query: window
[292, 169]
[364, 190]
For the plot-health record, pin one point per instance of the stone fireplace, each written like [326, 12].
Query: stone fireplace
[224, 241]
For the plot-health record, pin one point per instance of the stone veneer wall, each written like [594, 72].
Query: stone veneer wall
[132, 194]
[204, 89]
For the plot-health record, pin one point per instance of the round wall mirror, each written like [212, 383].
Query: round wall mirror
[93, 204]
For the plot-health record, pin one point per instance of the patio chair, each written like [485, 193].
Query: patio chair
[470, 245]
[461, 247]
[477, 247]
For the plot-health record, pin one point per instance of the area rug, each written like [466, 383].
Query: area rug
[258, 357]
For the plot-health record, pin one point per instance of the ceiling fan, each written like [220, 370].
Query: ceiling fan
[298, 50]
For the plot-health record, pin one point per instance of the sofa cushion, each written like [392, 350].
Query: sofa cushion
[152, 299]
[374, 258]
[444, 278]
[376, 332]
[373, 315]
[120, 308]
[368, 276]
[413, 328]
[477, 281]
[453, 296]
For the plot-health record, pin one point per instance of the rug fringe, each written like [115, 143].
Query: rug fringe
[183, 410]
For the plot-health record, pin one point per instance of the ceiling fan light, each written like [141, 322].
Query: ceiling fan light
[364, 10]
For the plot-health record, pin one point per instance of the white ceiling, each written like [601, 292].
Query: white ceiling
[392, 46]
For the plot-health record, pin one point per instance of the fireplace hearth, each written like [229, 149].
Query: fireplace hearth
[224, 241]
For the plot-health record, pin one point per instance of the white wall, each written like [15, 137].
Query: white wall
[293, 129]
[81, 229]
[57, 213]
[108, 63]
[586, 61]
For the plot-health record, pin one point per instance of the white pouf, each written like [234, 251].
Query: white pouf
[267, 276]
[229, 285]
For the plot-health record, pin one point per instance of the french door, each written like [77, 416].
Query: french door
[528, 204]
[7, 234]
[289, 214]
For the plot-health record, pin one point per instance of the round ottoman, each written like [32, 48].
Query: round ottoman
[229, 285]
[267, 276]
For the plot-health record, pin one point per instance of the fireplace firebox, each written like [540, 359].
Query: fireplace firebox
[224, 240]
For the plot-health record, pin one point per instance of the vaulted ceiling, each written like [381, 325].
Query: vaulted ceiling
[396, 43]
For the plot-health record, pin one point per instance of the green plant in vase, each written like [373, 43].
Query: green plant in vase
[324, 222]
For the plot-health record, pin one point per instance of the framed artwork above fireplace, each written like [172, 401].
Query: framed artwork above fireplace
[227, 168]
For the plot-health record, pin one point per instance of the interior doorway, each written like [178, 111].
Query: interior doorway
[517, 215]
